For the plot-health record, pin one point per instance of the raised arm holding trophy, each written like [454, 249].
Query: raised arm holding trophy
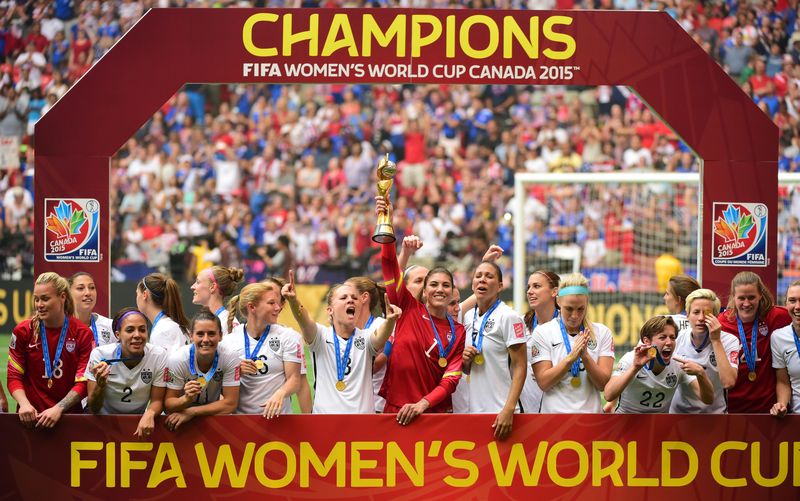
[384, 231]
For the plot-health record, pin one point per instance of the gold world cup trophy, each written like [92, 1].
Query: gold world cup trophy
[384, 232]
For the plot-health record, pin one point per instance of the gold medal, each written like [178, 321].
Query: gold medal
[49, 383]
[340, 385]
[575, 382]
[479, 359]
[442, 362]
[259, 364]
[201, 381]
[751, 376]
[652, 352]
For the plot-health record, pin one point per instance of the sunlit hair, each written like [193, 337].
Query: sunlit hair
[703, 294]
[61, 285]
[206, 314]
[376, 292]
[656, 325]
[552, 280]
[164, 293]
[578, 280]
[226, 279]
[681, 286]
[250, 293]
[749, 278]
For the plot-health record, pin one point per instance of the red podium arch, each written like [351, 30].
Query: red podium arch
[167, 48]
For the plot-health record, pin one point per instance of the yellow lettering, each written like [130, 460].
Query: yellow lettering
[622, 335]
[291, 464]
[166, 453]
[384, 38]
[494, 36]
[111, 464]
[796, 463]
[462, 464]
[224, 460]
[716, 464]
[552, 463]
[290, 38]
[450, 37]
[554, 36]
[357, 464]
[247, 35]
[3, 307]
[19, 316]
[529, 42]
[77, 464]
[341, 23]
[632, 480]
[667, 480]
[517, 461]
[127, 464]
[783, 465]
[417, 40]
[599, 472]
[308, 456]
[395, 456]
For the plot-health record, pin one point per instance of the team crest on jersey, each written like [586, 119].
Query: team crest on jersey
[13, 343]
[672, 380]
[359, 342]
[712, 359]
[763, 329]
[106, 336]
[70, 345]
[218, 376]
[592, 344]
[449, 336]
[147, 376]
[274, 344]
[489, 325]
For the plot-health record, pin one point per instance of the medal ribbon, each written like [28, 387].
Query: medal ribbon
[341, 362]
[196, 371]
[796, 341]
[93, 325]
[751, 352]
[259, 344]
[442, 351]
[48, 367]
[158, 317]
[652, 362]
[219, 311]
[369, 322]
[479, 344]
[536, 320]
[576, 365]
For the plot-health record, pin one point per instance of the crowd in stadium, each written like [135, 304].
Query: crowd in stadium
[266, 177]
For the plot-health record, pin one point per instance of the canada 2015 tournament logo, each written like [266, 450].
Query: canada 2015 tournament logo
[71, 230]
[740, 234]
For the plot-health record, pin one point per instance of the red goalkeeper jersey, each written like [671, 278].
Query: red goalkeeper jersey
[413, 371]
[26, 364]
[755, 396]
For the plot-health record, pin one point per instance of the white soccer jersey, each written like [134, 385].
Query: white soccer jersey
[681, 321]
[227, 374]
[563, 398]
[377, 376]
[649, 393]
[685, 401]
[103, 333]
[489, 383]
[357, 396]
[785, 356]
[168, 334]
[127, 390]
[223, 319]
[282, 345]
[531, 397]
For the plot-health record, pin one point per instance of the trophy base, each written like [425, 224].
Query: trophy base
[384, 234]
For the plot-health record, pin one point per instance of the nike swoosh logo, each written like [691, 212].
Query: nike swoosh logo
[641, 376]
[556, 344]
[426, 318]
[328, 342]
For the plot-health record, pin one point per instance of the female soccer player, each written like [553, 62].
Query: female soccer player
[128, 377]
[542, 293]
[211, 288]
[84, 296]
[646, 379]
[495, 353]
[572, 356]
[202, 379]
[371, 301]
[710, 348]
[678, 289]
[47, 356]
[270, 353]
[753, 317]
[342, 352]
[426, 360]
[785, 344]
[158, 297]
